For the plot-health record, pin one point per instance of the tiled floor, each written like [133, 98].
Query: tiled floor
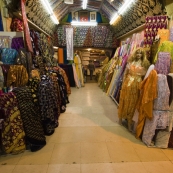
[89, 140]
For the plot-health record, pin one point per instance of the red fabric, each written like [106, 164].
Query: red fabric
[26, 28]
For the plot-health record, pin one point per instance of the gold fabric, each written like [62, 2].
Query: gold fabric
[129, 93]
[148, 89]
[17, 76]
[163, 34]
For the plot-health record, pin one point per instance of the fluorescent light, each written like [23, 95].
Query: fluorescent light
[84, 23]
[54, 19]
[114, 18]
[124, 6]
[121, 11]
[50, 11]
[84, 4]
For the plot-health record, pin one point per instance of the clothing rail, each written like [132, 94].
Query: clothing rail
[31, 24]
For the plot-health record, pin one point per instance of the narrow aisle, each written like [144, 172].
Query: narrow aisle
[89, 140]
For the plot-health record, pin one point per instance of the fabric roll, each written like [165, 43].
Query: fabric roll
[163, 63]
[60, 56]
[160, 120]
[31, 118]
[17, 43]
[164, 35]
[162, 100]
[170, 84]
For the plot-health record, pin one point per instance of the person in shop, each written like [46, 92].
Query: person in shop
[136, 68]
[91, 68]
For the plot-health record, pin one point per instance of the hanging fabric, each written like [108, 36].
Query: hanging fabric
[26, 28]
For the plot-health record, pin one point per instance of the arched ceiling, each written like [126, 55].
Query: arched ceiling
[105, 7]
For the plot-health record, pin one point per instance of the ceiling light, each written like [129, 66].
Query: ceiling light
[84, 4]
[68, 1]
[121, 11]
[84, 23]
[50, 11]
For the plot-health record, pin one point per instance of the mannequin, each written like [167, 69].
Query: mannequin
[135, 70]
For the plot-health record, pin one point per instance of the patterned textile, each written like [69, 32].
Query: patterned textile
[153, 24]
[16, 25]
[38, 62]
[5, 69]
[35, 74]
[1, 78]
[33, 84]
[144, 107]
[25, 59]
[46, 48]
[162, 139]
[12, 127]
[48, 105]
[170, 84]
[25, 25]
[63, 73]
[69, 72]
[17, 76]
[8, 56]
[162, 100]
[17, 43]
[160, 120]
[171, 34]
[35, 36]
[162, 65]
[166, 46]
[5, 42]
[31, 118]
[163, 35]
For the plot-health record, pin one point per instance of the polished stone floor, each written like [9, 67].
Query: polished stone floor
[89, 140]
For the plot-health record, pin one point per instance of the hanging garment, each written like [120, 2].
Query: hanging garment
[148, 92]
[78, 66]
[63, 73]
[162, 100]
[78, 85]
[31, 119]
[60, 56]
[17, 76]
[130, 92]
[160, 120]
[13, 136]
[17, 43]
[26, 27]
[136, 114]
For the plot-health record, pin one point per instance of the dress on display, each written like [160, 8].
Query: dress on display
[130, 92]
